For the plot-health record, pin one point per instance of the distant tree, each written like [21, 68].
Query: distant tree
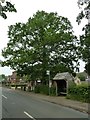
[3, 76]
[82, 76]
[6, 7]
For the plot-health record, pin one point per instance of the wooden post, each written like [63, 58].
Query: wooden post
[67, 87]
[56, 87]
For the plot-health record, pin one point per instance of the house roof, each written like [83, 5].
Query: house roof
[63, 76]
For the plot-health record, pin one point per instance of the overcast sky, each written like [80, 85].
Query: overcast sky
[26, 9]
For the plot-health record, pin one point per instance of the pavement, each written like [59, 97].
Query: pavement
[61, 100]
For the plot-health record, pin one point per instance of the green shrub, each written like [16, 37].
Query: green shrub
[37, 89]
[44, 89]
[53, 91]
[82, 76]
[80, 92]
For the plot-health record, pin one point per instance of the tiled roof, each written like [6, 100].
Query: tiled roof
[63, 76]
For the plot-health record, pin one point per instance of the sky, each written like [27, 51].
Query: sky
[26, 9]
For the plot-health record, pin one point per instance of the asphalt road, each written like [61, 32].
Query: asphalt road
[0, 102]
[16, 104]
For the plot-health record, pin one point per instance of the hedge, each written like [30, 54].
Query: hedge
[44, 89]
[80, 93]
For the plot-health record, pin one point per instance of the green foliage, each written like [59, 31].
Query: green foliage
[87, 67]
[8, 7]
[84, 48]
[84, 5]
[3, 76]
[45, 42]
[82, 76]
[80, 92]
[26, 78]
[53, 91]
[71, 84]
[44, 89]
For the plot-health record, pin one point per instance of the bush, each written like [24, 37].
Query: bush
[53, 91]
[81, 77]
[44, 89]
[37, 89]
[80, 92]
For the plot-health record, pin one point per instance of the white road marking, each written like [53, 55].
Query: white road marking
[29, 115]
[4, 96]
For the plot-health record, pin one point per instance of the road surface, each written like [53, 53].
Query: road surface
[16, 104]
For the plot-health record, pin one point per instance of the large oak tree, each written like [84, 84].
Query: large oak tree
[45, 42]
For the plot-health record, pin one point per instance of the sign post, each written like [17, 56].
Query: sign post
[49, 85]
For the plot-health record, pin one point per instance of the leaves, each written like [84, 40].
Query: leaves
[85, 12]
[7, 8]
[87, 67]
[79, 17]
[45, 42]
[84, 47]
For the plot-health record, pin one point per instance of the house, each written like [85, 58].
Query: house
[62, 81]
[13, 78]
